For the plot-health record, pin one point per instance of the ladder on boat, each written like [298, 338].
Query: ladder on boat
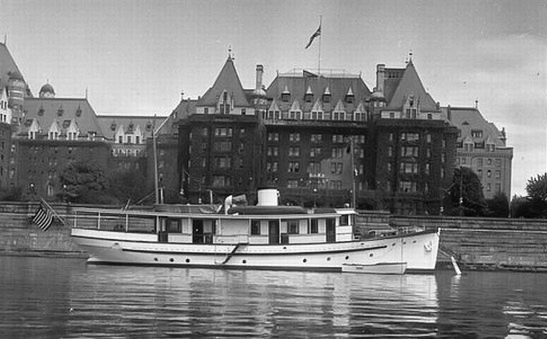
[230, 254]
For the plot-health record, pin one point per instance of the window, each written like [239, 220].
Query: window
[294, 137]
[294, 167]
[315, 138]
[409, 167]
[314, 228]
[273, 151]
[410, 137]
[272, 166]
[338, 152]
[407, 186]
[292, 183]
[223, 132]
[285, 97]
[409, 151]
[221, 181]
[273, 136]
[337, 138]
[292, 227]
[476, 133]
[255, 227]
[222, 146]
[315, 151]
[294, 151]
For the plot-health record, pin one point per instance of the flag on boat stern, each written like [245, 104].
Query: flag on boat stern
[43, 216]
[313, 36]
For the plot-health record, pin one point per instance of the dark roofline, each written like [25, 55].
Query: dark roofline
[133, 116]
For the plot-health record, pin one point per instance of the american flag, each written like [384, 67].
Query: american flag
[43, 217]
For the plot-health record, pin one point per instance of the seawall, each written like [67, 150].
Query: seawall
[476, 243]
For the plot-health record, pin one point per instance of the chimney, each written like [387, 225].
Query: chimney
[380, 77]
[259, 72]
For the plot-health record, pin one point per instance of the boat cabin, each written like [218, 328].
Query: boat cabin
[277, 227]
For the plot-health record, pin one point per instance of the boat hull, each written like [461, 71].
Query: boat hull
[379, 268]
[418, 250]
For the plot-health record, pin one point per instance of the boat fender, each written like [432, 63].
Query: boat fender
[428, 246]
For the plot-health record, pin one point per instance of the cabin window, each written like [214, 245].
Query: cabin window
[314, 226]
[255, 227]
[292, 227]
[344, 220]
[173, 226]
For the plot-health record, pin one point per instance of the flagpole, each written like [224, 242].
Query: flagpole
[320, 37]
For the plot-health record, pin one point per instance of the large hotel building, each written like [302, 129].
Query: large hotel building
[321, 138]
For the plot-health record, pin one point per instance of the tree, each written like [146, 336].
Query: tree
[85, 182]
[127, 185]
[537, 195]
[465, 196]
[498, 206]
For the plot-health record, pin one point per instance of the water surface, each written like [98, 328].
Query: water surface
[65, 298]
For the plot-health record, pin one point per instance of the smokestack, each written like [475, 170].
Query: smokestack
[380, 77]
[259, 73]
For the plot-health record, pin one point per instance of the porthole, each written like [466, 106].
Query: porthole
[371, 255]
[347, 257]
[393, 244]
[171, 259]
[328, 258]
[244, 261]
[284, 247]
[155, 259]
[414, 242]
[187, 260]
[305, 260]
[362, 244]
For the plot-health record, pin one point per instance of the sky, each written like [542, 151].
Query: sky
[136, 57]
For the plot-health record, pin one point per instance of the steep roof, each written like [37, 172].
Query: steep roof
[298, 84]
[468, 119]
[46, 111]
[228, 81]
[8, 67]
[110, 124]
[410, 84]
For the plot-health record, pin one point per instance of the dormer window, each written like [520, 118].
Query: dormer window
[349, 96]
[308, 97]
[326, 95]
[60, 111]
[113, 126]
[131, 126]
[285, 95]
[78, 112]
[41, 111]
[476, 133]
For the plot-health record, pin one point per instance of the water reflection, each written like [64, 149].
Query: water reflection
[66, 298]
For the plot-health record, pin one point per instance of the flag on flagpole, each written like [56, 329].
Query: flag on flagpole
[313, 36]
[43, 217]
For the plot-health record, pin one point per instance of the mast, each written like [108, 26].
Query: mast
[353, 184]
[154, 150]
[320, 35]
